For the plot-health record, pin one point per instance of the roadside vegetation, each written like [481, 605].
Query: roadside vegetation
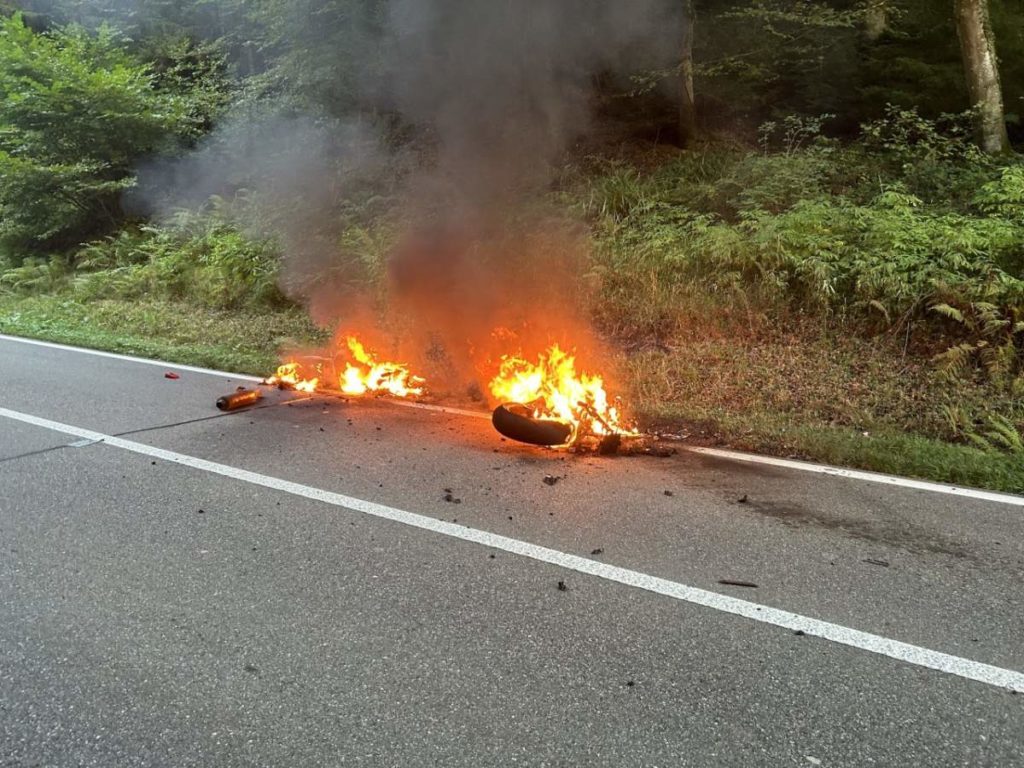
[837, 281]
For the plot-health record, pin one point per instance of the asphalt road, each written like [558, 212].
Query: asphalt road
[288, 586]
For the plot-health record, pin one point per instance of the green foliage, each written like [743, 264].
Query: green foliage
[36, 276]
[200, 257]
[996, 342]
[875, 233]
[76, 110]
[990, 432]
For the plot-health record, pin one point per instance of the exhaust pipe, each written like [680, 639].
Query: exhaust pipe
[241, 399]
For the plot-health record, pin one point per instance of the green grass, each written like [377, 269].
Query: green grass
[238, 341]
[890, 452]
[818, 394]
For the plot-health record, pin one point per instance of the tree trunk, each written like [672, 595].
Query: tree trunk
[687, 104]
[977, 44]
[876, 20]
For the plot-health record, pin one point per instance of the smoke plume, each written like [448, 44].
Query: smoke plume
[493, 93]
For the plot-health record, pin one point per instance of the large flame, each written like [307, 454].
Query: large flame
[369, 375]
[362, 375]
[554, 390]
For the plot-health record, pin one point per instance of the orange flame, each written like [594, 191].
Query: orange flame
[554, 390]
[372, 376]
[288, 377]
[362, 376]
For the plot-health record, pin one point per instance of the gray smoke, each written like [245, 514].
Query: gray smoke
[494, 92]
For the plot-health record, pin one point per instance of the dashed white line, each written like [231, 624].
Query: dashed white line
[747, 458]
[883, 646]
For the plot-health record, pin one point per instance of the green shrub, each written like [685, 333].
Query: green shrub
[76, 111]
[198, 256]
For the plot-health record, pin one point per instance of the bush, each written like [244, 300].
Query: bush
[820, 229]
[76, 111]
[199, 257]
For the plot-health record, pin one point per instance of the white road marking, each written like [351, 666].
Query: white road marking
[130, 358]
[856, 474]
[883, 646]
[748, 458]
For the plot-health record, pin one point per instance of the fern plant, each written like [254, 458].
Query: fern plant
[996, 343]
[993, 434]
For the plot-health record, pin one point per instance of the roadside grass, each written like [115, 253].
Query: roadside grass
[821, 395]
[888, 452]
[238, 340]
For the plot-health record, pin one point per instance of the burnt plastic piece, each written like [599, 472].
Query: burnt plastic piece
[516, 422]
[241, 399]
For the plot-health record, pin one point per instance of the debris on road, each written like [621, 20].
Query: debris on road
[562, 587]
[451, 499]
[241, 399]
[597, 551]
[171, 375]
[669, 493]
[873, 561]
[733, 583]
[551, 479]
[744, 500]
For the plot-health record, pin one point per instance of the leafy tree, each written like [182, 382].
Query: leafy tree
[76, 112]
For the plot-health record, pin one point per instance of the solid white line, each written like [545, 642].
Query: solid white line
[748, 458]
[905, 652]
[130, 358]
[869, 477]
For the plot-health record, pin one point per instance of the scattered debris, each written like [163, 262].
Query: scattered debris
[669, 493]
[630, 684]
[200, 512]
[491, 556]
[873, 561]
[744, 500]
[799, 632]
[562, 587]
[171, 375]
[733, 583]
[597, 551]
[609, 445]
[251, 669]
[551, 479]
[451, 498]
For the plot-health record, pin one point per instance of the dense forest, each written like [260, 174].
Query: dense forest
[798, 224]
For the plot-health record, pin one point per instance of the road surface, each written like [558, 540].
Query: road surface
[288, 586]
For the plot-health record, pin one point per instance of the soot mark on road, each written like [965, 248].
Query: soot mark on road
[899, 535]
